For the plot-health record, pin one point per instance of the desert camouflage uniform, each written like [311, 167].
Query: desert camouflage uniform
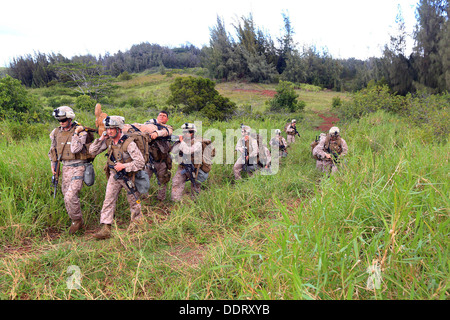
[114, 186]
[191, 150]
[290, 134]
[252, 147]
[319, 162]
[72, 171]
[266, 158]
[324, 164]
[278, 141]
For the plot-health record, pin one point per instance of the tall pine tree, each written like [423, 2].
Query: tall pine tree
[429, 34]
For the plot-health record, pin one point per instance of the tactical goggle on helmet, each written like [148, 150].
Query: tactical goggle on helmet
[63, 113]
[334, 131]
[114, 122]
[245, 130]
[190, 127]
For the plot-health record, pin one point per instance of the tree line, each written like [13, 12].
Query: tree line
[252, 55]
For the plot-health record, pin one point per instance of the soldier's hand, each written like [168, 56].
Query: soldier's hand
[79, 129]
[328, 156]
[103, 136]
[154, 135]
[119, 166]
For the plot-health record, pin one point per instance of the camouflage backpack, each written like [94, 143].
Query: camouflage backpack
[208, 153]
[141, 139]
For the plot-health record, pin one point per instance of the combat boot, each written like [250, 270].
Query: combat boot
[76, 225]
[161, 195]
[104, 232]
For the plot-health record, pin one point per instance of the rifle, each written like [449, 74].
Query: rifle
[245, 154]
[296, 132]
[55, 177]
[152, 167]
[189, 169]
[283, 148]
[334, 155]
[122, 175]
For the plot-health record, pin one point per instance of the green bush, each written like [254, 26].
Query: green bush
[199, 94]
[85, 103]
[370, 100]
[55, 102]
[124, 76]
[286, 98]
[431, 112]
[16, 103]
[336, 102]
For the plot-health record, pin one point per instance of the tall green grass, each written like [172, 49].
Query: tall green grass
[298, 234]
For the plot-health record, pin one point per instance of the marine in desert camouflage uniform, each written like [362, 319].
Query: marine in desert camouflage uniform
[319, 162]
[68, 145]
[251, 145]
[189, 151]
[331, 150]
[279, 142]
[290, 130]
[127, 157]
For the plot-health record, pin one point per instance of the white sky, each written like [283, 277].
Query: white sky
[347, 28]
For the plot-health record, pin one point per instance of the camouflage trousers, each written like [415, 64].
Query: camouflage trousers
[178, 183]
[162, 175]
[290, 138]
[113, 189]
[326, 166]
[239, 166]
[72, 182]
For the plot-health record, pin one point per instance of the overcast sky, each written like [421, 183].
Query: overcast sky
[347, 28]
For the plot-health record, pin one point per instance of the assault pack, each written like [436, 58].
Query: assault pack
[142, 140]
[208, 153]
[313, 145]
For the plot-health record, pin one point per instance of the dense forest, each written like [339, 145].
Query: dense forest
[252, 55]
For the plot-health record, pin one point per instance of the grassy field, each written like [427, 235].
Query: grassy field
[297, 234]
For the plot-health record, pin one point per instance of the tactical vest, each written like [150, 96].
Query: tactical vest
[281, 145]
[253, 161]
[63, 142]
[208, 151]
[159, 149]
[333, 146]
[118, 152]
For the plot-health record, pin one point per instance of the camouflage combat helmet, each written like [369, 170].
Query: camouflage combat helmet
[63, 112]
[114, 122]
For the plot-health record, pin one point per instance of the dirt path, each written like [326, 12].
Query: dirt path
[328, 122]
